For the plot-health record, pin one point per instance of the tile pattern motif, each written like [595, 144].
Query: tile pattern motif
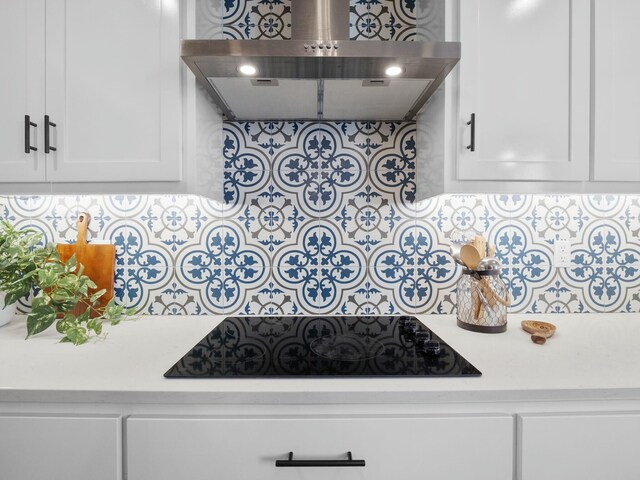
[322, 218]
[271, 19]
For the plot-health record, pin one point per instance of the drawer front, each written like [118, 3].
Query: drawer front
[229, 448]
[585, 446]
[60, 448]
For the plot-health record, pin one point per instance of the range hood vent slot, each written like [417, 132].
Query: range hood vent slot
[264, 82]
[376, 83]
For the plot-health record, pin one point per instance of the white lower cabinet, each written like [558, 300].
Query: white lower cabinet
[548, 446]
[597, 446]
[60, 448]
[205, 448]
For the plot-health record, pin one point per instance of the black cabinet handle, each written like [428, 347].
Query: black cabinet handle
[350, 462]
[27, 134]
[472, 122]
[47, 139]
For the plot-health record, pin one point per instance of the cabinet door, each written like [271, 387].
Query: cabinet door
[113, 90]
[524, 73]
[60, 448]
[204, 448]
[617, 96]
[22, 92]
[589, 446]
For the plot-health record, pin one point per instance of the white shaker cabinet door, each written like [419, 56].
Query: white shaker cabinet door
[113, 90]
[580, 446]
[21, 90]
[60, 448]
[617, 92]
[479, 448]
[524, 74]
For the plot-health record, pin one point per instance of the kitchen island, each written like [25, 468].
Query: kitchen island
[575, 401]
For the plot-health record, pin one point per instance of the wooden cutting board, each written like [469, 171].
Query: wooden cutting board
[98, 261]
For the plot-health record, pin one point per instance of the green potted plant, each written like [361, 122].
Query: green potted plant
[26, 266]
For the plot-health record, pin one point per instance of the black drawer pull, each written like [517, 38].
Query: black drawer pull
[350, 462]
[472, 146]
[27, 134]
[47, 139]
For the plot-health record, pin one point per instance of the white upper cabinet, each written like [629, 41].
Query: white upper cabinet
[22, 92]
[107, 75]
[113, 90]
[525, 76]
[617, 96]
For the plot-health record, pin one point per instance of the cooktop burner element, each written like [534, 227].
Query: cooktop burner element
[348, 347]
[315, 346]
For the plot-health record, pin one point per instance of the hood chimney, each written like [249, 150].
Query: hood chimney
[325, 20]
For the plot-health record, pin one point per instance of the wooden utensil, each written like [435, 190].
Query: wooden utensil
[491, 264]
[493, 298]
[98, 261]
[539, 331]
[476, 302]
[470, 256]
[481, 245]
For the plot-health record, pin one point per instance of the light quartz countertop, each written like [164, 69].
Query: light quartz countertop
[591, 356]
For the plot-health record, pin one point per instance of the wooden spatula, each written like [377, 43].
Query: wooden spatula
[98, 261]
[481, 245]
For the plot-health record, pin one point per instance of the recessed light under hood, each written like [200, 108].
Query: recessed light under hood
[320, 74]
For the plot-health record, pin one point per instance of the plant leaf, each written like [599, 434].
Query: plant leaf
[71, 264]
[12, 297]
[66, 322]
[40, 319]
[95, 324]
[77, 335]
[94, 298]
[84, 317]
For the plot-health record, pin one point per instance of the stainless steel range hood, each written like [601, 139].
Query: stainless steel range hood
[320, 73]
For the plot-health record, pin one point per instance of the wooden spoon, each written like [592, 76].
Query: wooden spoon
[470, 256]
[539, 331]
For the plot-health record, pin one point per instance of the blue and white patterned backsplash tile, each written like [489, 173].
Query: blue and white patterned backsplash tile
[322, 218]
[271, 20]
[382, 20]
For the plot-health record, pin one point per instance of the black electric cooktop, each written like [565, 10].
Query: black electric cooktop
[319, 346]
